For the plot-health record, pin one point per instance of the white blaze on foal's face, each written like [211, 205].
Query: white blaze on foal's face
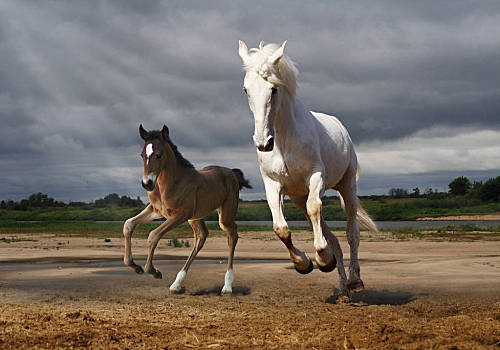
[149, 152]
[149, 178]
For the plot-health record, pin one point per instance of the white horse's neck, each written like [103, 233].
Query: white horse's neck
[286, 121]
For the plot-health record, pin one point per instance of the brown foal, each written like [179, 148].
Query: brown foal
[179, 192]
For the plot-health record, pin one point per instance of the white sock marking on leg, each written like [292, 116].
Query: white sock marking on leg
[177, 285]
[228, 282]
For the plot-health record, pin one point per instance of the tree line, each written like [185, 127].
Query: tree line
[41, 200]
[488, 191]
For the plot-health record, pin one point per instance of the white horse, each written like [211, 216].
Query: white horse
[301, 154]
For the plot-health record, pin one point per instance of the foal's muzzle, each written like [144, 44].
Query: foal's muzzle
[148, 182]
[268, 147]
[148, 186]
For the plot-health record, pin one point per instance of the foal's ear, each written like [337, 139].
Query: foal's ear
[243, 51]
[164, 132]
[274, 58]
[143, 132]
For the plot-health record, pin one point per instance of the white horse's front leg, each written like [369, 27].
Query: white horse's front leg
[275, 196]
[325, 258]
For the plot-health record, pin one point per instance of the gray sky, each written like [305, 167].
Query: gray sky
[417, 84]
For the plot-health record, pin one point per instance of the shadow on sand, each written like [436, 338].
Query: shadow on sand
[237, 290]
[375, 297]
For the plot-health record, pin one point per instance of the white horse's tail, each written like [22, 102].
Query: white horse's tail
[362, 216]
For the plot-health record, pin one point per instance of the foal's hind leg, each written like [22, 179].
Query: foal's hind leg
[347, 189]
[145, 216]
[274, 196]
[200, 234]
[226, 222]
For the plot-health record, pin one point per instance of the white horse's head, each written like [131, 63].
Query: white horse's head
[270, 76]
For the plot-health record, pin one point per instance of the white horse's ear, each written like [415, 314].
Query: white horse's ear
[261, 44]
[274, 58]
[243, 52]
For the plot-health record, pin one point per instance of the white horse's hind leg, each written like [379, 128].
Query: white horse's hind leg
[274, 196]
[200, 234]
[347, 189]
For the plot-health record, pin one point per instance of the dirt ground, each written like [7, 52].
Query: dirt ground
[70, 292]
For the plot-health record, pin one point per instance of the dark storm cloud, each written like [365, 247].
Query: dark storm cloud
[77, 78]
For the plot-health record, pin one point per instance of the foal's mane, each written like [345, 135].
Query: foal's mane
[156, 134]
[284, 74]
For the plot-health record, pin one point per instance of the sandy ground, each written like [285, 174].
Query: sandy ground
[60, 292]
[482, 217]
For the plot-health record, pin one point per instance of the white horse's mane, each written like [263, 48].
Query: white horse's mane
[283, 73]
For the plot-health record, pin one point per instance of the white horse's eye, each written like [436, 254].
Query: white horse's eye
[274, 90]
[245, 89]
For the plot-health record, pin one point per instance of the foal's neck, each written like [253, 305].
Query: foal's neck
[170, 175]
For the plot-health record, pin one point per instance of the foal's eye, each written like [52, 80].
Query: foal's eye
[245, 89]
[274, 90]
[158, 156]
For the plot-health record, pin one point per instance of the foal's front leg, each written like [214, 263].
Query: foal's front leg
[274, 196]
[153, 239]
[145, 216]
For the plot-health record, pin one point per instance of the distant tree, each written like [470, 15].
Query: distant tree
[416, 192]
[459, 186]
[429, 190]
[490, 190]
[114, 200]
[475, 190]
[398, 192]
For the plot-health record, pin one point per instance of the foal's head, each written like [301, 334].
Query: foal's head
[269, 76]
[158, 153]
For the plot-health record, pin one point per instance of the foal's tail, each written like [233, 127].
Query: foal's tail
[241, 179]
[362, 216]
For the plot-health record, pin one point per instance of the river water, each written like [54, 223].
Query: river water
[382, 224]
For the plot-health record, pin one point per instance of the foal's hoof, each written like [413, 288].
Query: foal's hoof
[155, 273]
[355, 286]
[226, 290]
[138, 269]
[305, 271]
[329, 267]
[177, 290]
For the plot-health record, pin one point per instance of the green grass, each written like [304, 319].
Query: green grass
[379, 209]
